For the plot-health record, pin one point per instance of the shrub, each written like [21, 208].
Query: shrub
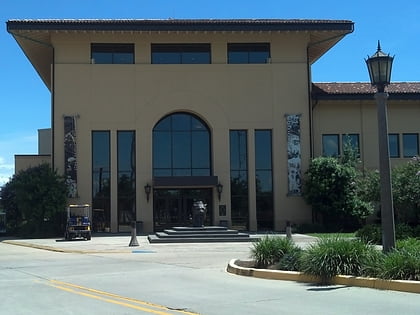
[270, 249]
[291, 261]
[403, 263]
[403, 231]
[372, 266]
[409, 244]
[333, 256]
[416, 231]
[370, 233]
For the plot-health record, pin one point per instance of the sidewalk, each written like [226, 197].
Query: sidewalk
[117, 243]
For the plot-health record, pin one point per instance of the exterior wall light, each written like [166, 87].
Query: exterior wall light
[147, 190]
[379, 66]
[219, 188]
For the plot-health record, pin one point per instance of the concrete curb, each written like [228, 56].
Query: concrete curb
[373, 283]
[63, 250]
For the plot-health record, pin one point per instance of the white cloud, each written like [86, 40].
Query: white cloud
[6, 171]
[11, 144]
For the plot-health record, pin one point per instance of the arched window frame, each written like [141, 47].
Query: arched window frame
[181, 146]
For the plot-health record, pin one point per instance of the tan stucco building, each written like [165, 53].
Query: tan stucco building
[150, 115]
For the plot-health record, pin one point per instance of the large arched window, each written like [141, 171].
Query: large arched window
[181, 146]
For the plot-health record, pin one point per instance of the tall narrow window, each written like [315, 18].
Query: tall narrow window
[248, 52]
[113, 53]
[181, 53]
[101, 180]
[126, 177]
[394, 145]
[239, 179]
[330, 145]
[264, 179]
[410, 144]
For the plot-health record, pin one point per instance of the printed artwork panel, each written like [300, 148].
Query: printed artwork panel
[293, 155]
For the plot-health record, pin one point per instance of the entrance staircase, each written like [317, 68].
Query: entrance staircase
[205, 234]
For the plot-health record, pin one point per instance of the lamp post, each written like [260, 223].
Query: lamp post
[379, 66]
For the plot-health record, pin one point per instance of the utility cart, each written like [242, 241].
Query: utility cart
[78, 222]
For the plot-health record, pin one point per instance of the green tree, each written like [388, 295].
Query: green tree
[34, 200]
[406, 192]
[333, 188]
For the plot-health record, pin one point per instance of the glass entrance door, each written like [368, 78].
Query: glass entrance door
[173, 207]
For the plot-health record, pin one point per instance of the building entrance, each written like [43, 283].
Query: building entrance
[173, 207]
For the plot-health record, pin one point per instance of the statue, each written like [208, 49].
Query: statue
[198, 213]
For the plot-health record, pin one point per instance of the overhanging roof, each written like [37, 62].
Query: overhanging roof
[33, 36]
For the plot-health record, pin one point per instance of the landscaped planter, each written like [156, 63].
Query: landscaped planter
[245, 268]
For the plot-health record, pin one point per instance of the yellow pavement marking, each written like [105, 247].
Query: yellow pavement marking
[116, 299]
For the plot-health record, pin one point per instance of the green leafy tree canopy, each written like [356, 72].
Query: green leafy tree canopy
[335, 189]
[34, 197]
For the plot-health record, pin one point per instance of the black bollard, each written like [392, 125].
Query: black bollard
[133, 241]
[288, 230]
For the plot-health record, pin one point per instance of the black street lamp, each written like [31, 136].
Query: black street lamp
[379, 66]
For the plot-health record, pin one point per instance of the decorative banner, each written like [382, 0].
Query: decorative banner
[70, 159]
[293, 155]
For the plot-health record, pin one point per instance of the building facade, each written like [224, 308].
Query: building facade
[150, 115]
[346, 113]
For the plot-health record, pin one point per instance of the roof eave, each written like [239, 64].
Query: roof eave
[182, 25]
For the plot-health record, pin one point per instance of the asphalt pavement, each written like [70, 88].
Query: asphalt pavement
[188, 276]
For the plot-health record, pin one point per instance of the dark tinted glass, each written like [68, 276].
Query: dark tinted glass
[101, 184]
[181, 53]
[394, 145]
[410, 144]
[264, 179]
[239, 179]
[238, 150]
[330, 145]
[101, 179]
[126, 143]
[181, 146]
[248, 52]
[181, 149]
[101, 151]
[263, 149]
[181, 122]
[200, 149]
[126, 151]
[112, 53]
[162, 147]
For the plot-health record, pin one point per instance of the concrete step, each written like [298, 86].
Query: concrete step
[202, 235]
[199, 234]
[155, 239]
[199, 228]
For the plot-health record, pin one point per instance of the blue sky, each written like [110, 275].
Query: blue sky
[25, 101]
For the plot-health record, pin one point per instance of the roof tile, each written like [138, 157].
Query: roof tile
[335, 88]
